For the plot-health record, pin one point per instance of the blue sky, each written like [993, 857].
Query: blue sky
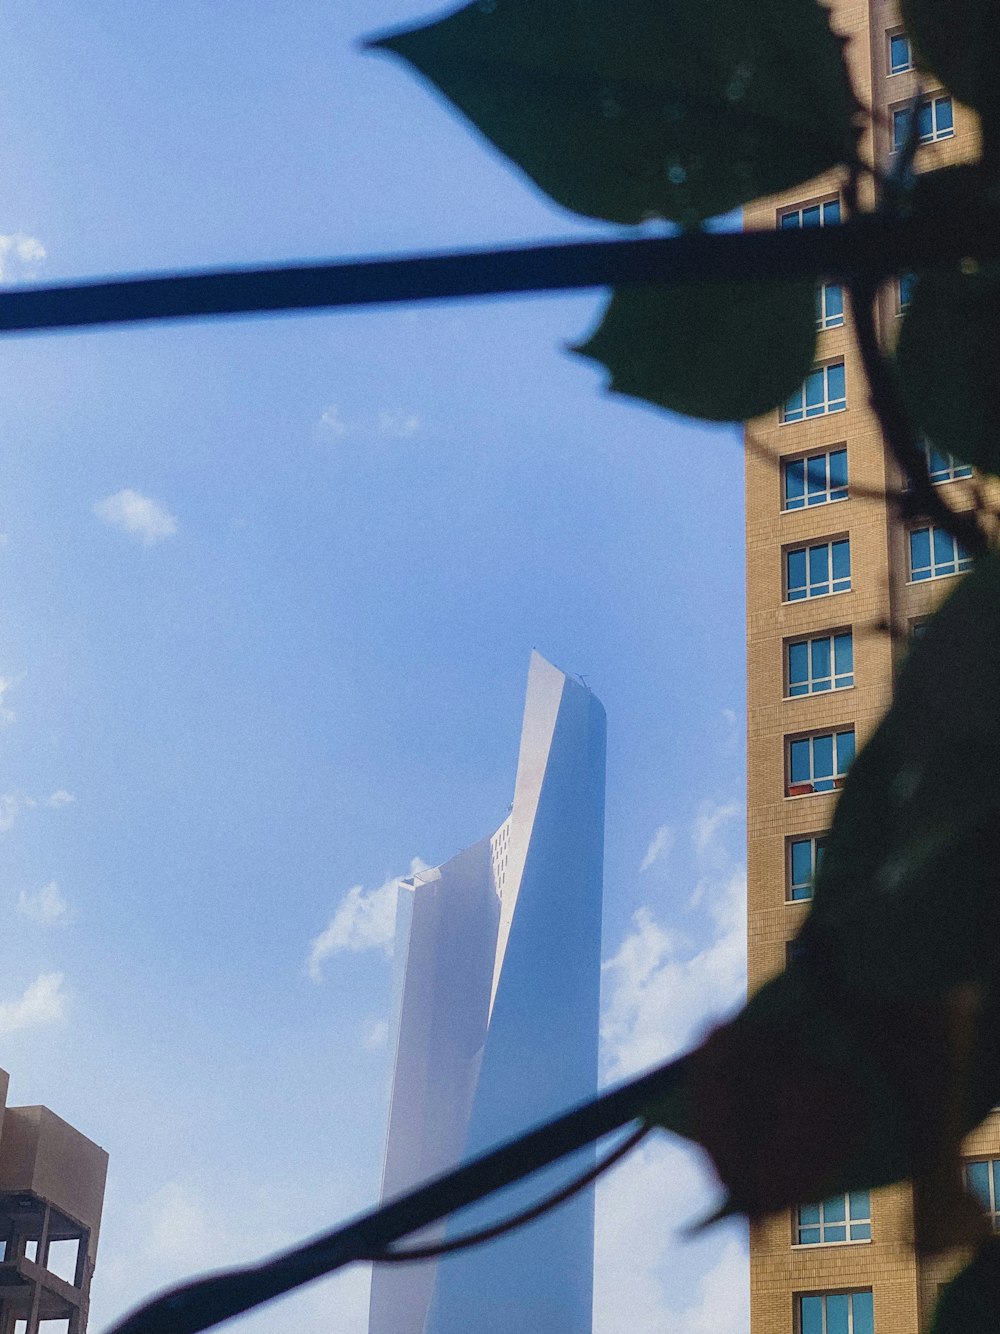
[270, 589]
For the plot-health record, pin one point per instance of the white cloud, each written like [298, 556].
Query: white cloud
[375, 1035]
[710, 820]
[6, 714]
[43, 1002]
[45, 906]
[10, 805]
[361, 921]
[660, 845]
[19, 256]
[382, 424]
[649, 1278]
[137, 515]
[60, 798]
[397, 425]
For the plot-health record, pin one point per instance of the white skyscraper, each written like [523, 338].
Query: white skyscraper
[497, 992]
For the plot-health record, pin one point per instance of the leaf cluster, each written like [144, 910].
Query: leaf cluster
[879, 1048]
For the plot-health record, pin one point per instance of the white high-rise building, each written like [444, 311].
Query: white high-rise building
[497, 992]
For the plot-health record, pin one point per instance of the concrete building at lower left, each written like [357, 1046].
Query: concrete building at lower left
[51, 1196]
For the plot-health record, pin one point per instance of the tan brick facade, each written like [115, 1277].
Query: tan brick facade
[881, 594]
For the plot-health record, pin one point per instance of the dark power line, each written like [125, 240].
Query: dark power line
[871, 246]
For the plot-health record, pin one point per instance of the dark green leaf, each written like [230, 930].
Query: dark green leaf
[623, 109]
[870, 1057]
[725, 351]
[959, 42]
[970, 1304]
[949, 362]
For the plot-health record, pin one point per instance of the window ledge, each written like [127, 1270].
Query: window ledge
[817, 694]
[840, 592]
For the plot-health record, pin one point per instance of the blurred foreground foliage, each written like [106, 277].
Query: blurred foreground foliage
[878, 1049]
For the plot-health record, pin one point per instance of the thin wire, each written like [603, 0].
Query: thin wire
[525, 1216]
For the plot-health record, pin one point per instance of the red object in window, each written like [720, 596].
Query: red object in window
[799, 789]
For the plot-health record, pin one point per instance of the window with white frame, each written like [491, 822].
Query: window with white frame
[823, 391]
[819, 763]
[899, 52]
[845, 1217]
[820, 663]
[815, 479]
[829, 306]
[934, 553]
[982, 1179]
[836, 1313]
[805, 854]
[824, 214]
[816, 570]
[935, 120]
[942, 466]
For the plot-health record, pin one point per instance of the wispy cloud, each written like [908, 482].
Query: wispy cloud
[375, 1035]
[361, 921]
[660, 988]
[45, 906]
[137, 515]
[382, 424]
[43, 1002]
[10, 807]
[659, 846]
[20, 256]
[7, 714]
[60, 798]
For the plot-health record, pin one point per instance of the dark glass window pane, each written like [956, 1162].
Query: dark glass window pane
[838, 1233]
[842, 559]
[978, 1177]
[843, 655]
[945, 120]
[944, 552]
[864, 1318]
[833, 300]
[925, 121]
[861, 1232]
[861, 1206]
[820, 659]
[808, 1236]
[808, 1214]
[835, 379]
[819, 570]
[811, 216]
[811, 1315]
[799, 761]
[796, 574]
[938, 464]
[789, 220]
[900, 126]
[820, 844]
[816, 478]
[838, 470]
[899, 53]
[831, 211]
[964, 559]
[845, 751]
[814, 389]
[801, 856]
[907, 282]
[795, 484]
[835, 1209]
[920, 553]
[836, 1313]
[792, 411]
[822, 748]
[798, 668]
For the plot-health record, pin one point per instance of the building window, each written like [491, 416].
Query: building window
[820, 664]
[836, 1313]
[844, 1218]
[942, 466]
[816, 479]
[826, 214]
[905, 284]
[823, 391]
[935, 120]
[918, 628]
[934, 553]
[982, 1180]
[805, 856]
[819, 763]
[829, 306]
[814, 571]
[900, 54]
